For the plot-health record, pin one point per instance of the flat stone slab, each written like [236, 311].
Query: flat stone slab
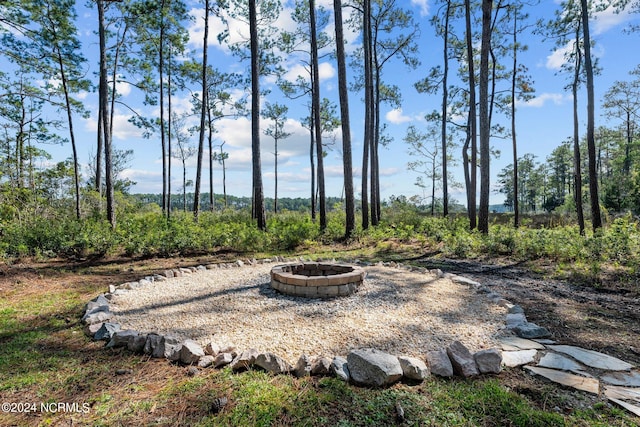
[617, 394]
[622, 393]
[628, 406]
[627, 379]
[592, 358]
[511, 359]
[590, 385]
[563, 363]
[517, 343]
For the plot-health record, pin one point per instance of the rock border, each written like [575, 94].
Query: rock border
[363, 367]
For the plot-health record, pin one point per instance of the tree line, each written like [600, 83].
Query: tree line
[144, 43]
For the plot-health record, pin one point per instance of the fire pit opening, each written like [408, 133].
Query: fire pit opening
[317, 279]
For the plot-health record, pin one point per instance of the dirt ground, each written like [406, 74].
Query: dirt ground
[604, 318]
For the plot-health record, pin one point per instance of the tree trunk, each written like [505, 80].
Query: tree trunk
[275, 196]
[105, 119]
[210, 139]
[485, 124]
[445, 101]
[204, 109]
[169, 135]
[163, 141]
[368, 101]
[315, 99]
[350, 224]
[72, 137]
[472, 128]
[516, 207]
[258, 193]
[596, 220]
[577, 163]
[313, 165]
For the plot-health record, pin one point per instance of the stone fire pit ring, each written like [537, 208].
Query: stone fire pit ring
[317, 279]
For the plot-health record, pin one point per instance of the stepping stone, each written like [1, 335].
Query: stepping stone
[563, 363]
[628, 406]
[593, 358]
[622, 393]
[616, 394]
[544, 341]
[590, 385]
[511, 359]
[517, 343]
[631, 379]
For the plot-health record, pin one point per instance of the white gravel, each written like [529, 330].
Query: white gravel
[394, 310]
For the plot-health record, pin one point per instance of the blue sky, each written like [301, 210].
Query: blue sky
[543, 123]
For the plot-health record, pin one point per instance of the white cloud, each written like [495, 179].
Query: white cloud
[122, 128]
[542, 99]
[397, 117]
[423, 5]
[559, 57]
[608, 19]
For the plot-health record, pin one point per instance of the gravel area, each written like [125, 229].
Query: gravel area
[395, 310]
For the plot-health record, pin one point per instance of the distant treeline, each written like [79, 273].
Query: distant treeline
[298, 204]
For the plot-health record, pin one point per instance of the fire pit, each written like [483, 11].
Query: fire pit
[316, 279]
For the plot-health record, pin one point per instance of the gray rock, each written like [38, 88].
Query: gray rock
[462, 360]
[106, 331]
[136, 344]
[229, 348]
[465, 281]
[152, 342]
[190, 352]
[206, 361]
[303, 367]
[373, 367]
[98, 301]
[516, 319]
[121, 338]
[488, 361]
[244, 360]
[511, 359]
[531, 330]
[167, 348]
[159, 278]
[439, 363]
[340, 368]
[192, 371]
[112, 289]
[168, 274]
[272, 363]
[413, 368]
[92, 328]
[118, 292]
[144, 282]
[222, 359]
[239, 263]
[99, 314]
[321, 366]
[177, 273]
[212, 348]
[514, 309]
[129, 286]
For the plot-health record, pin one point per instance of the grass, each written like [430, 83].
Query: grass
[45, 357]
